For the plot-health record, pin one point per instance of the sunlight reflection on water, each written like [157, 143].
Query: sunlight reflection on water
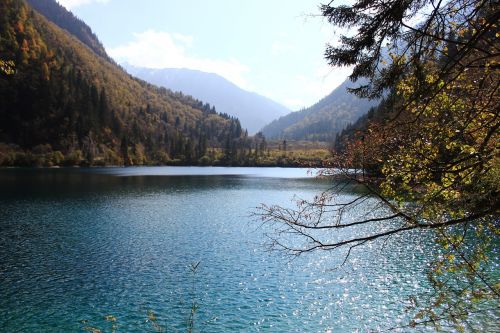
[81, 244]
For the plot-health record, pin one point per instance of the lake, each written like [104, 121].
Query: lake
[77, 245]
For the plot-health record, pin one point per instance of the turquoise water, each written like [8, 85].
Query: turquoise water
[79, 244]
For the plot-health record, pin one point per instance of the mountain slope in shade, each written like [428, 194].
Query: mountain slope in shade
[253, 110]
[65, 97]
[65, 19]
[323, 120]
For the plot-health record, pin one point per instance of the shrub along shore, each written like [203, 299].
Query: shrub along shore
[274, 156]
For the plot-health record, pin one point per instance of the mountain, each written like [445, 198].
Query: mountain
[378, 114]
[67, 102]
[65, 19]
[253, 110]
[323, 120]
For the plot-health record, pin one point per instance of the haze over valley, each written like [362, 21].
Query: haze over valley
[253, 111]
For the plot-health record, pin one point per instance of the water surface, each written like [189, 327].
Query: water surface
[79, 244]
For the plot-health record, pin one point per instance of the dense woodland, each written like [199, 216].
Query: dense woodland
[65, 103]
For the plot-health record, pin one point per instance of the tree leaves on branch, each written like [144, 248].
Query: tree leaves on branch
[427, 158]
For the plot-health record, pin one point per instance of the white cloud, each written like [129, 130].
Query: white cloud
[157, 49]
[75, 3]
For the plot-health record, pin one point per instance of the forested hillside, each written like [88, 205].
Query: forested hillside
[323, 120]
[377, 114]
[64, 19]
[66, 103]
[253, 110]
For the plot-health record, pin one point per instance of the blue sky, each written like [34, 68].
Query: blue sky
[272, 47]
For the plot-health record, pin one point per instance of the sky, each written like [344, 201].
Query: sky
[272, 47]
